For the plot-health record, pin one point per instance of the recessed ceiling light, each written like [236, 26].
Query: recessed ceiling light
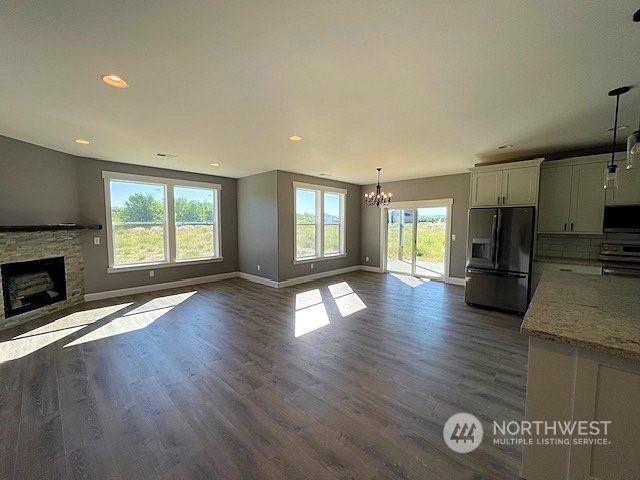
[324, 174]
[215, 164]
[295, 138]
[168, 155]
[114, 81]
[82, 141]
[502, 147]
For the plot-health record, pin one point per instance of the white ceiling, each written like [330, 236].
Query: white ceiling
[417, 87]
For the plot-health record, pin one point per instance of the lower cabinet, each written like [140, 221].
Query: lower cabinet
[566, 382]
[539, 267]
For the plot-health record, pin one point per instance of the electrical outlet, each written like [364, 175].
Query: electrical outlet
[453, 237]
[311, 266]
[96, 240]
[152, 273]
[258, 267]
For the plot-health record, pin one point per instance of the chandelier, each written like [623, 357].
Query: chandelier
[377, 198]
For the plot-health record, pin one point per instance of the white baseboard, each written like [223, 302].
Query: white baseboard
[369, 268]
[317, 276]
[257, 279]
[187, 282]
[246, 276]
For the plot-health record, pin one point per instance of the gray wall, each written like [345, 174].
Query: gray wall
[448, 186]
[258, 224]
[92, 210]
[37, 185]
[287, 269]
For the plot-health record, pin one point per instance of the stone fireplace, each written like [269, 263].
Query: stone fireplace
[27, 286]
[41, 272]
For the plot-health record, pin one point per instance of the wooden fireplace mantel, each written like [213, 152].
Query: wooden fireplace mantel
[49, 227]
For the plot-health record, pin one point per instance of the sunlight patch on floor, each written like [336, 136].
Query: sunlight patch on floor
[28, 342]
[311, 313]
[346, 299]
[136, 319]
[409, 280]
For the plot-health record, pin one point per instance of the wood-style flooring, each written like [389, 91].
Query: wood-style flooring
[211, 381]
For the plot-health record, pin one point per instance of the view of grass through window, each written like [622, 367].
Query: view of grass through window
[195, 226]
[306, 215]
[430, 240]
[138, 213]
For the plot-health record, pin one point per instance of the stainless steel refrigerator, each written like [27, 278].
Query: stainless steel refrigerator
[499, 257]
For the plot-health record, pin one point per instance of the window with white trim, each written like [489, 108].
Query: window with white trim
[319, 221]
[155, 221]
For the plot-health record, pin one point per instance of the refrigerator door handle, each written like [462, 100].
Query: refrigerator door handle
[496, 237]
[493, 239]
[497, 274]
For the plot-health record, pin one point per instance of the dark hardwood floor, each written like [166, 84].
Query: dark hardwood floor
[210, 381]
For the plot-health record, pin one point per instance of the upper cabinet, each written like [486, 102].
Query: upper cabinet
[505, 184]
[572, 195]
[628, 191]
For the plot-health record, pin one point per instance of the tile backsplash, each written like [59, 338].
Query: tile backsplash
[579, 246]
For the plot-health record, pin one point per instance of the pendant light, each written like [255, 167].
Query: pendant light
[377, 198]
[633, 142]
[611, 175]
[633, 149]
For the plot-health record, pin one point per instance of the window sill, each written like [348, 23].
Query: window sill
[319, 259]
[153, 266]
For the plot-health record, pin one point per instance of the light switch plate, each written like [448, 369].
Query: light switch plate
[96, 240]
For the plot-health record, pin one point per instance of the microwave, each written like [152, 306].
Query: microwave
[622, 218]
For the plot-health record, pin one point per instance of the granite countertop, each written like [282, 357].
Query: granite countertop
[591, 311]
[568, 261]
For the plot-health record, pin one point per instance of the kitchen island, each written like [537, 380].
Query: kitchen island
[584, 365]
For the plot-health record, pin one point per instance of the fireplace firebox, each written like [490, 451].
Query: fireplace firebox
[30, 285]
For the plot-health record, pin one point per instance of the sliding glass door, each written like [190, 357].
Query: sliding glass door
[400, 240]
[417, 240]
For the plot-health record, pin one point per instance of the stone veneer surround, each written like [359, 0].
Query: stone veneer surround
[25, 246]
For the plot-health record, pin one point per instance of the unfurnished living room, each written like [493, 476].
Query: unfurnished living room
[320, 240]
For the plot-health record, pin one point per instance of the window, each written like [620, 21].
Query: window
[195, 222]
[156, 221]
[319, 222]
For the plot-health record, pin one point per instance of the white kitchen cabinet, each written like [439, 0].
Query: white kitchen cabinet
[486, 188]
[572, 196]
[520, 186]
[587, 198]
[508, 184]
[555, 199]
[628, 191]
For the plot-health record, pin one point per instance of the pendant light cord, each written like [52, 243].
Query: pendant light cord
[615, 131]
